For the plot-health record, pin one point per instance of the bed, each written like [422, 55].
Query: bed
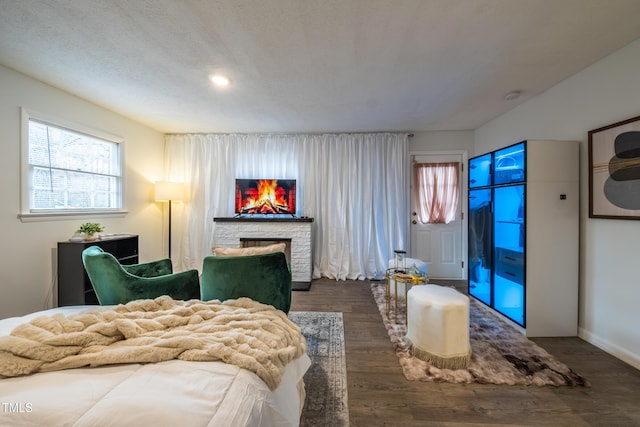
[168, 392]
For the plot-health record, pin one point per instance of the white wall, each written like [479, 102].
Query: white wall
[441, 141]
[28, 249]
[602, 94]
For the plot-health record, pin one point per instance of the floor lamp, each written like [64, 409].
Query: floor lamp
[168, 192]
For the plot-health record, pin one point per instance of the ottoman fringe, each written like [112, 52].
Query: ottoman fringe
[442, 362]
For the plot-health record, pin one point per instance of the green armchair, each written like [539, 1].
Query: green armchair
[265, 278]
[116, 283]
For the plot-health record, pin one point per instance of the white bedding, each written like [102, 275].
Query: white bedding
[171, 393]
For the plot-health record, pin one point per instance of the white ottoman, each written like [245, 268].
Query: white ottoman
[438, 326]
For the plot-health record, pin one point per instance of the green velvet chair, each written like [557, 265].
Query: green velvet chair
[265, 278]
[116, 283]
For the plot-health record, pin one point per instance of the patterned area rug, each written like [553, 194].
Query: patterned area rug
[500, 354]
[326, 403]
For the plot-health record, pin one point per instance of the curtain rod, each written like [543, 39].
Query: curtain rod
[410, 135]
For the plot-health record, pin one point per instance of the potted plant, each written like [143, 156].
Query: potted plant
[89, 229]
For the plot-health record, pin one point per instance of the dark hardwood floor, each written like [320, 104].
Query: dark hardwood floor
[379, 395]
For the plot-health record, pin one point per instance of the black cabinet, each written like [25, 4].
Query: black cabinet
[74, 286]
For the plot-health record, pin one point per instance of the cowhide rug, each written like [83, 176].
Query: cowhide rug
[500, 354]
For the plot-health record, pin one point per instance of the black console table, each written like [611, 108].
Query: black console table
[74, 286]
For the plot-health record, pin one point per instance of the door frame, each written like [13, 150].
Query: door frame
[464, 192]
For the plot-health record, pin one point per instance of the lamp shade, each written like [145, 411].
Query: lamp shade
[166, 191]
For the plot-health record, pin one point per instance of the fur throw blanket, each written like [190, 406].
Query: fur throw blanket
[242, 332]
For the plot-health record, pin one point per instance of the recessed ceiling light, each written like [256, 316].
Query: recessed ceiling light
[514, 94]
[220, 80]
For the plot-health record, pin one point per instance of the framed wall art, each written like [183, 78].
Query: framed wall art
[614, 170]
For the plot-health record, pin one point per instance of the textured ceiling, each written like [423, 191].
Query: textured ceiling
[310, 65]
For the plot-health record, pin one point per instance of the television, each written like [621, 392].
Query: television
[265, 196]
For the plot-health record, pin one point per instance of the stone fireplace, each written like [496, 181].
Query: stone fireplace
[296, 233]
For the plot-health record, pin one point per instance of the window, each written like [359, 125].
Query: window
[436, 192]
[69, 169]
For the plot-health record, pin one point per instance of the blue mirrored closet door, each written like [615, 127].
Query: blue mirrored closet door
[497, 187]
[508, 280]
[480, 171]
[509, 165]
[480, 244]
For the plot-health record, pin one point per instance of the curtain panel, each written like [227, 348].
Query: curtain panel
[355, 186]
[436, 191]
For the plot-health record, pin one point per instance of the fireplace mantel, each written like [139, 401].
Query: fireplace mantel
[262, 219]
[230, 230]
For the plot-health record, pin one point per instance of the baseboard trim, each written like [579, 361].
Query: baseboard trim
[613, 349]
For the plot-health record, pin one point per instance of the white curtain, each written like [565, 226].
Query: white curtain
[355, 187]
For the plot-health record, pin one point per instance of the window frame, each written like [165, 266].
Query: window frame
[27, 213]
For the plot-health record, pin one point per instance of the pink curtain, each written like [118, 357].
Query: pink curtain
[436, 191]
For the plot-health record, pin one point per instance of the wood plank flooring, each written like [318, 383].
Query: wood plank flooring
[379, 395]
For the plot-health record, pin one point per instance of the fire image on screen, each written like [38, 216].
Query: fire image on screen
[265, 196]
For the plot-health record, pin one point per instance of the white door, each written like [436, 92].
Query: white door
[440, 245]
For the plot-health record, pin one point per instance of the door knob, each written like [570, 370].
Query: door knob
[414, 222]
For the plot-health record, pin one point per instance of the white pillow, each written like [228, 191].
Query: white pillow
[252, 250]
